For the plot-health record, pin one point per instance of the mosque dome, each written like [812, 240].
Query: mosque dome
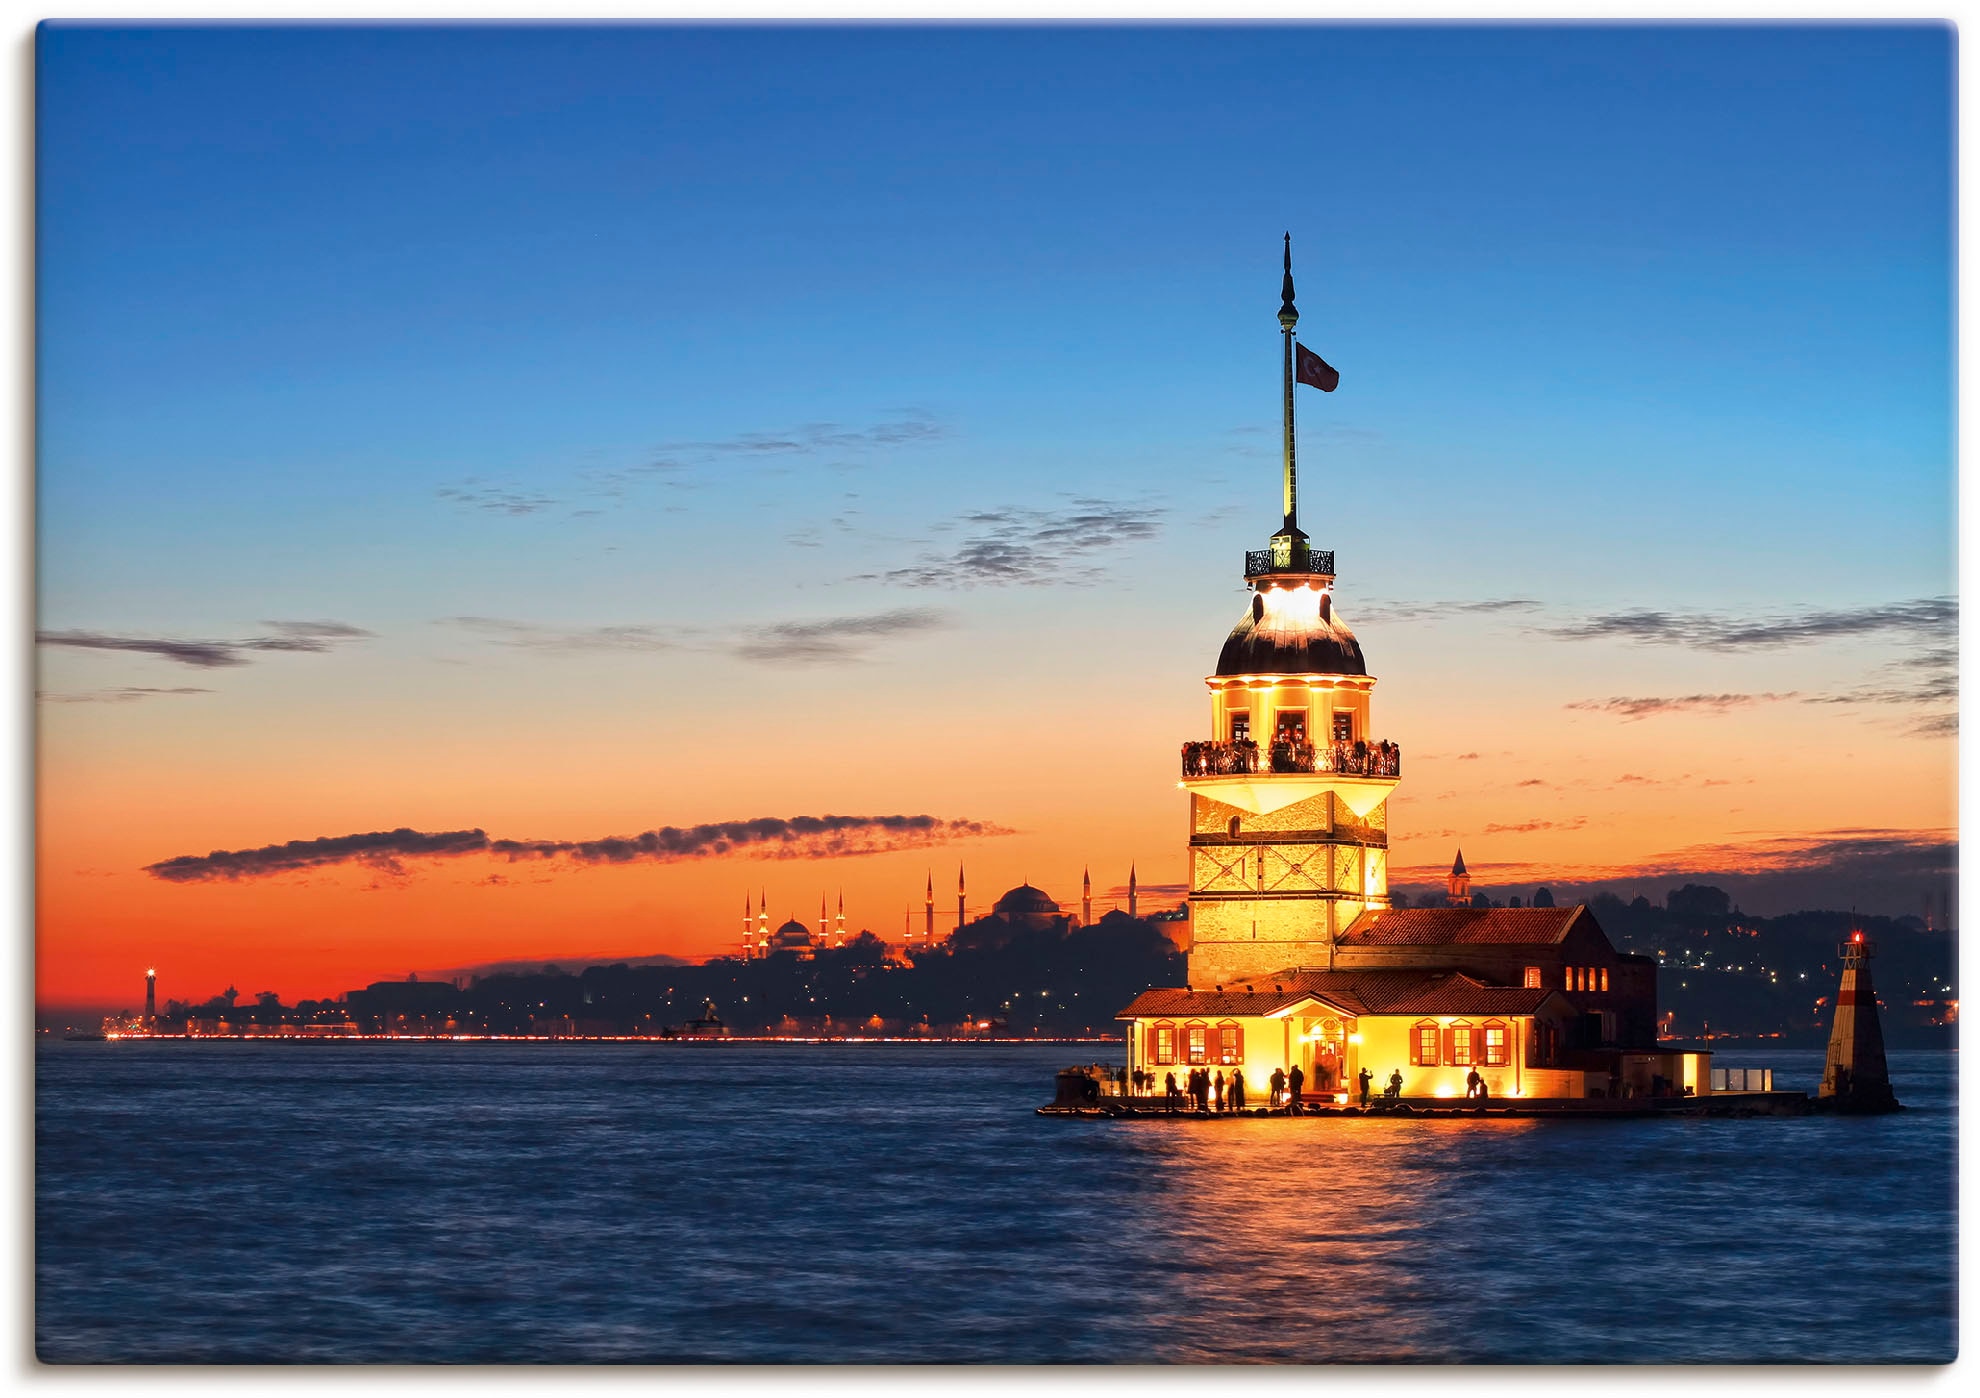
[1026, 901]
[1291, 631]
[791, 934]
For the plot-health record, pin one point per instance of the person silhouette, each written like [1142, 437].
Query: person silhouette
[1295, 1080]
[1278, 1085]
[1395, 1086]
[1472, 1082]
[1367, 1080]
[1237, 1089]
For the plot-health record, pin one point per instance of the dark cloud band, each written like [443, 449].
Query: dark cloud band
[304, 637]
[774, 837]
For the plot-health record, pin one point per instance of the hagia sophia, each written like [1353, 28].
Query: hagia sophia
[1297, 957]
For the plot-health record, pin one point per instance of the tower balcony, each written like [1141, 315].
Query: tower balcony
[1296, 559]
[1246, 758]
[1270, 778]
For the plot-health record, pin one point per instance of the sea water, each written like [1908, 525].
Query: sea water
[569, 1202]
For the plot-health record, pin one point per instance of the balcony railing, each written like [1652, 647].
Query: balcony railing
[1246, 758]
[1297, 559]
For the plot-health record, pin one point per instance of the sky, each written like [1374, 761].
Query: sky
[525, 439]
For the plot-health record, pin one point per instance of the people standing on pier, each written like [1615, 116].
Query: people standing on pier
[1484, 1094]
[1394, 1093]
[1203, 1089]
[1367, 1081]
[1173, 1097]
[1295, 1080]
[1237, 1089]
[1220, 1089]
[1278, 1086]
[1472, 1083]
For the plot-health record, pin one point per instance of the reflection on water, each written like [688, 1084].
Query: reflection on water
[671, 1202]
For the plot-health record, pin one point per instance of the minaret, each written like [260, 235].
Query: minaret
[1855, 1077]
[1457, 889]
[839, 928]
[749, 930]
[928, 927]
[763, 922]
[1288, 791]
[961, 912]
[824, 923]
[1131, 895]
[1086, 897]
[150, 998]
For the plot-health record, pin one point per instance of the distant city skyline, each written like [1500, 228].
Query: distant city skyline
[489, 450]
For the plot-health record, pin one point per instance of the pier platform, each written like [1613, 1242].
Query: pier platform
[1718, 1104]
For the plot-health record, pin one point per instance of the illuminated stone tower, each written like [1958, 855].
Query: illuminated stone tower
[1134, 909]
[1086, 898]
[961, 913]
[1288, 799]
[150, 998]
[928, 926]
[839, 926]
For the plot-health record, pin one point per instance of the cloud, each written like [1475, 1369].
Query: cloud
[1372, 609]
[1635, 709]
[1530, 826]
[308, 637]
[471, 494]
[834, 640]
[826, 640]
[1014, 547]
[125, 694]
[1535, 781]
[527, 635]
[1467, 757]
[1931, 618]
[771, 837]
[812, 438]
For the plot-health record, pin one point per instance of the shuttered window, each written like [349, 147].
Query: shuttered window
[1230, 1043]
[1162, 1043]
[1423, 1044]
[1495, 1043]
[1532, 978]
[1462, 1044]
[1196, 1042]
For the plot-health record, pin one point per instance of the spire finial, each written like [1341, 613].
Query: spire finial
[1288, 313]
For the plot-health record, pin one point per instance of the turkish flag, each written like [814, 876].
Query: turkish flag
[1317, 371]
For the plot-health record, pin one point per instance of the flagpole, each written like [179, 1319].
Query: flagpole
[1288, 321]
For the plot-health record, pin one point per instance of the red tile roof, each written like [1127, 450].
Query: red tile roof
[1353, 992]
[1461, 995]
[1450, 927]
[1200, 1004]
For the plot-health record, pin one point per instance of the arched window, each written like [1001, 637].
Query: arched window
[1495, 1043]
[1423, 1038]
[1464, 1044]
[1230, 1043]
[1162, 1042]
[1196, 1042]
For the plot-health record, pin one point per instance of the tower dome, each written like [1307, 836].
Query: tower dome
[1291, 631]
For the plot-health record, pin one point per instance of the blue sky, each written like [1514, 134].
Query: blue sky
[730, 328]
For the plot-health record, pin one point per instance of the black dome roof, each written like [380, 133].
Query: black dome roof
[1026, 899]
[1284, 634]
